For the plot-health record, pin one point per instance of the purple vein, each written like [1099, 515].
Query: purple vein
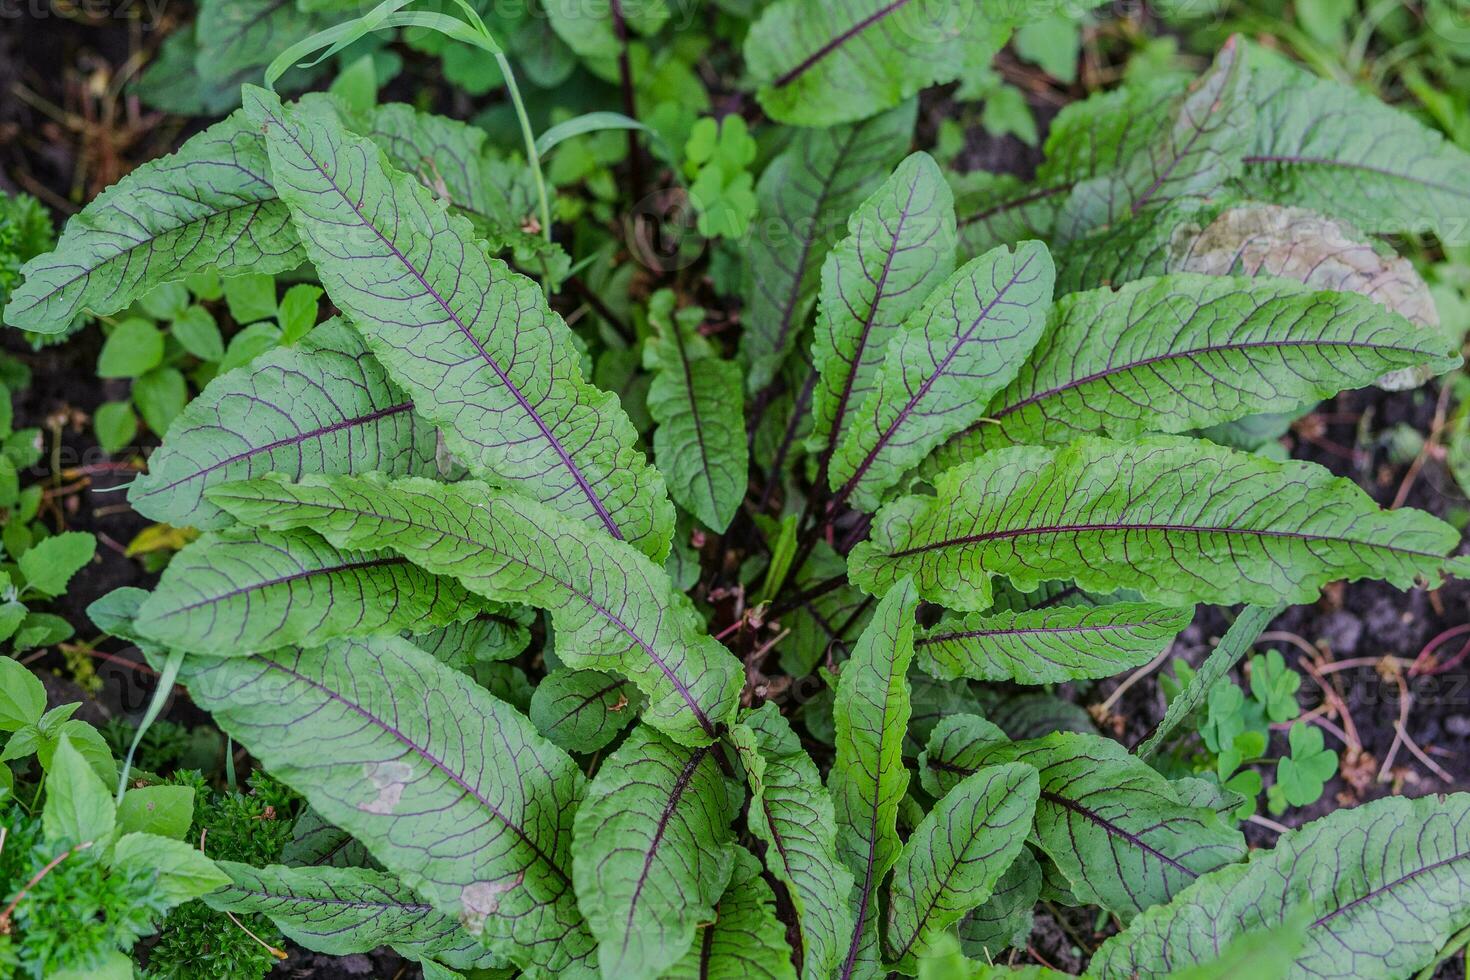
[670, 805]
[606, 613]
[862, 343]
[454, 318]
[1024, 631]
[297, 439]
[432, 759]
[1153, 359]
[1346, 165]
[1375, 892]
[870, 865]
[351, 566]
[1039, 194]
[918, 396]
[816, 56]
[1021, 532]
[1112, 829]
[688, 372]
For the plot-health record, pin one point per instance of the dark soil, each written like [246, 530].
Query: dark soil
[64, 143]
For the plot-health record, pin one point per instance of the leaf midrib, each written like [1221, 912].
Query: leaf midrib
[836, 42]
[520, 397]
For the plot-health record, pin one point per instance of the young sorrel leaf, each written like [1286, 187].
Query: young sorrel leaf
[321, 406]
[451, 789]
[868, 778]
[900, 246]
[583, 710]
[208, 206]
[1047, 646]
[344, 910]
[1178, 520]
[1328, 147]
[1381, 888]
[653, 851]
[1004, 920]
[805, 196]
[745, 939]
[793, 815]
[966, 343]
[474, 344]
[697, 400]
[1192, 156]
[1114, 827]
[241, 591]
[612, 608]
[1186, 351]
[818, 63]
[957, 853]
[238, 38]
[1234, 645]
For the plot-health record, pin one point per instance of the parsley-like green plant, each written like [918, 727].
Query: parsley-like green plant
[682, 635]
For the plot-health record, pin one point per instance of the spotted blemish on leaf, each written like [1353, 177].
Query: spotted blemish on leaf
[481, 899]
[389, 778]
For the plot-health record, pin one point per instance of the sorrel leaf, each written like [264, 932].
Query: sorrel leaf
[1192, 156]
[804, 198]
[1001, 209]
[964, 344]
[1186, 351]
[792, 813]
[953, 750]
[745, 939]
[344, 910]
[1381, 888]
[818, 63]
[957, 853]
[474, 344]
[583, 710]
[1177, 520]
[208, 206]
[612, 608]
[697, 400]
[653, 851]
[321, 406]
[598, 31]
[316, 843]
[451, 789]
[900, 247]
[1115, 828]
[868, 778]
[242, 591]
[1325, 146]
[1047, 646]
[497, 632]
[1004, 920]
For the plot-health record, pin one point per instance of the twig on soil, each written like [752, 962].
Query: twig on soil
[1419, 754]
[1268, 823]
[1430, 448]
[1106, 708]
[1406, 701]
[35, 880]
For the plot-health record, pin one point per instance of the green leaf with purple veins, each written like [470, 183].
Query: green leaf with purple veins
[475, 345]
[1186, 351]
[583, 710]
[792, 813]
[1045, 646]
[323, 406]
[697, 402]
[1177, 520]
[208, 206]
[868, 779]
[952, 355]
[957, 853]
[900, 246]
[242, 591]
[1114, 827]
[1380, 889]
[450, 788]
[653, 851]
[340, 911]
[804, 197]
[612, 608]
[1326, 146]
[746, 939]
